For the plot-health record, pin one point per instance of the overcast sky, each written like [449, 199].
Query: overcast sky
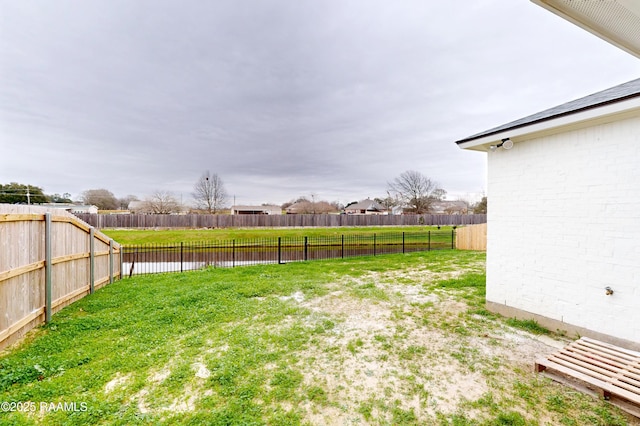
[280, 98]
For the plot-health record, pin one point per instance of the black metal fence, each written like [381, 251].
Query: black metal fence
[179, 257]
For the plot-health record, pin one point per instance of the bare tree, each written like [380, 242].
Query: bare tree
[124, 201]
[292, 202]
[161, 202]
[416, 191]
[101, 198]
[209, 192]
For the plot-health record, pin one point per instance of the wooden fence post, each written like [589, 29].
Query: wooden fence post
[92, 260]
[453, 238]
[110, 261]
[47, 267]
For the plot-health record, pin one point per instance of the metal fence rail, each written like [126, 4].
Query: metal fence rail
[179, 257]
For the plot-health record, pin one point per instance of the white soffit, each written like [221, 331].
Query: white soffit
[616, 21]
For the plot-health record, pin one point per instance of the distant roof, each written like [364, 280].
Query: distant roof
[263, 207]
[367, 204]
[69, 206]
[618, 93]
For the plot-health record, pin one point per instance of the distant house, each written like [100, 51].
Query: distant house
[398, 210]
[256, 209]
[309, 207]
[366, 207]
[73, 208]
[83, 209]
[297, 208]
[136, 206]
[563, 239]
[449, 207]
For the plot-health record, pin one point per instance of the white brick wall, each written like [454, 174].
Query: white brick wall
[564, 223]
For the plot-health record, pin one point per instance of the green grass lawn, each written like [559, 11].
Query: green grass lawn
[137, 236]
[387, 340]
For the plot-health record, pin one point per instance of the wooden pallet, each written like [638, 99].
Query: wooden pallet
[597, 367]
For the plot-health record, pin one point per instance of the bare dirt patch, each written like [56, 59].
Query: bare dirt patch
[118, 381]
[383, 348]
[411, 351]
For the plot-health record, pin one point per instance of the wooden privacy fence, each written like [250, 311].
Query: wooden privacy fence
[473, 237]
[48, 260]
[290, 220]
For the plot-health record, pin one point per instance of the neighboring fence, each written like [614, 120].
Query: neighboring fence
[158, 258]
[472, 237]
[48, 260]
[291, 220]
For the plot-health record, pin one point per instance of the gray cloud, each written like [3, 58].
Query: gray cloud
[280, 98]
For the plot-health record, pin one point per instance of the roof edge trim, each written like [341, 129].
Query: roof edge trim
[540, 120]
[627, 107]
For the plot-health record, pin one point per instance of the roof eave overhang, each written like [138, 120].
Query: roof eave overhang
[581, 119]
[609, 31]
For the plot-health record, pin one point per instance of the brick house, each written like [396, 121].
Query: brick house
[563, 239]
[564, 222]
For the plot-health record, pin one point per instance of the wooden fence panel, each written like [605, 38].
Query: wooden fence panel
[473, 237]
[70, 247]
[102, 263]
[253, 221]
[23, 233]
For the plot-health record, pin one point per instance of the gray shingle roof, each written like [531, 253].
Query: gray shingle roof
[367, 204]
[614, 94]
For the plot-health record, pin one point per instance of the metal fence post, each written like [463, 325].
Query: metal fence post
[181, 255]
[233, 252]
[133, 260]
[92, 260]
[47, 267]
[374, 244]
[306, 253]
[279, 250]
[453, 238]
[428, 240]
[403, 242]
[342, 253]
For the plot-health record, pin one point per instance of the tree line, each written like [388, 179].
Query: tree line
[18, 193]
[411, 190]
